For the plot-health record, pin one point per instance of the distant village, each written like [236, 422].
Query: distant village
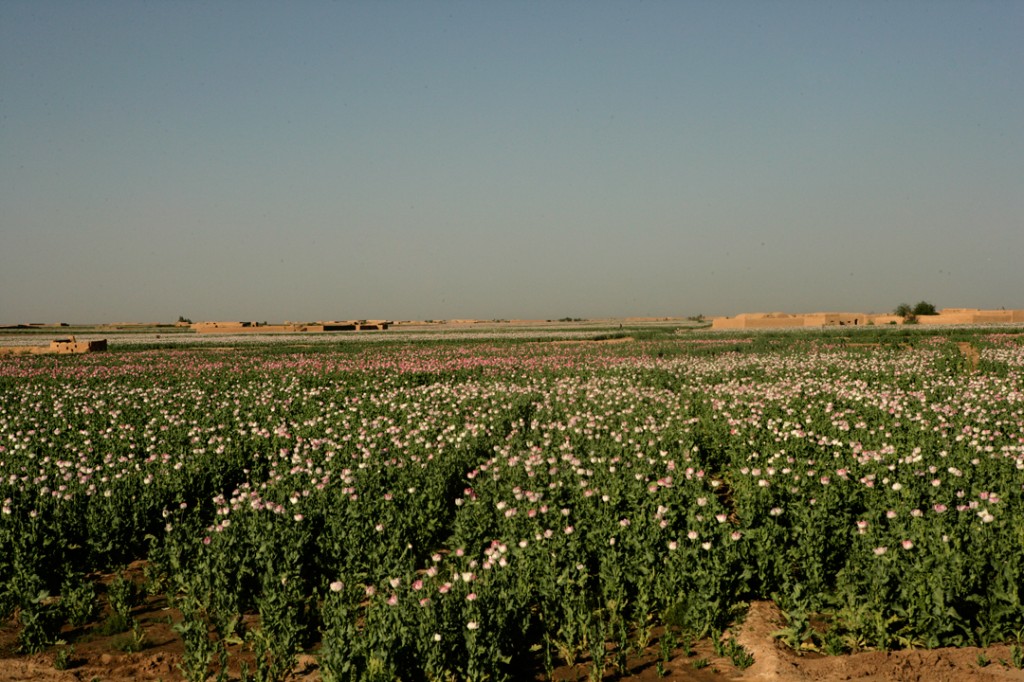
[946, 316]
[333, 326]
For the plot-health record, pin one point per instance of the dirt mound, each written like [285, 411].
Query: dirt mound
[775, 662]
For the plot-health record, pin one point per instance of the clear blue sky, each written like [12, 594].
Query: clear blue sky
[409, 160]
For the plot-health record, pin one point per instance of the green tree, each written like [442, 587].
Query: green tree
[910, 314]
[906, 312]
[924, 308]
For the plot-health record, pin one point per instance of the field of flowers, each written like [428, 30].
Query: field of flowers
[433, 511]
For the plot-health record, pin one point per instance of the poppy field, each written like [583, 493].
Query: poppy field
[449, 510]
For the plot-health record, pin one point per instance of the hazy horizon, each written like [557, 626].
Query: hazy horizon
[47, 324]
[449, 160]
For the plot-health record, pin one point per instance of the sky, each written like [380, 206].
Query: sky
[434, 160]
